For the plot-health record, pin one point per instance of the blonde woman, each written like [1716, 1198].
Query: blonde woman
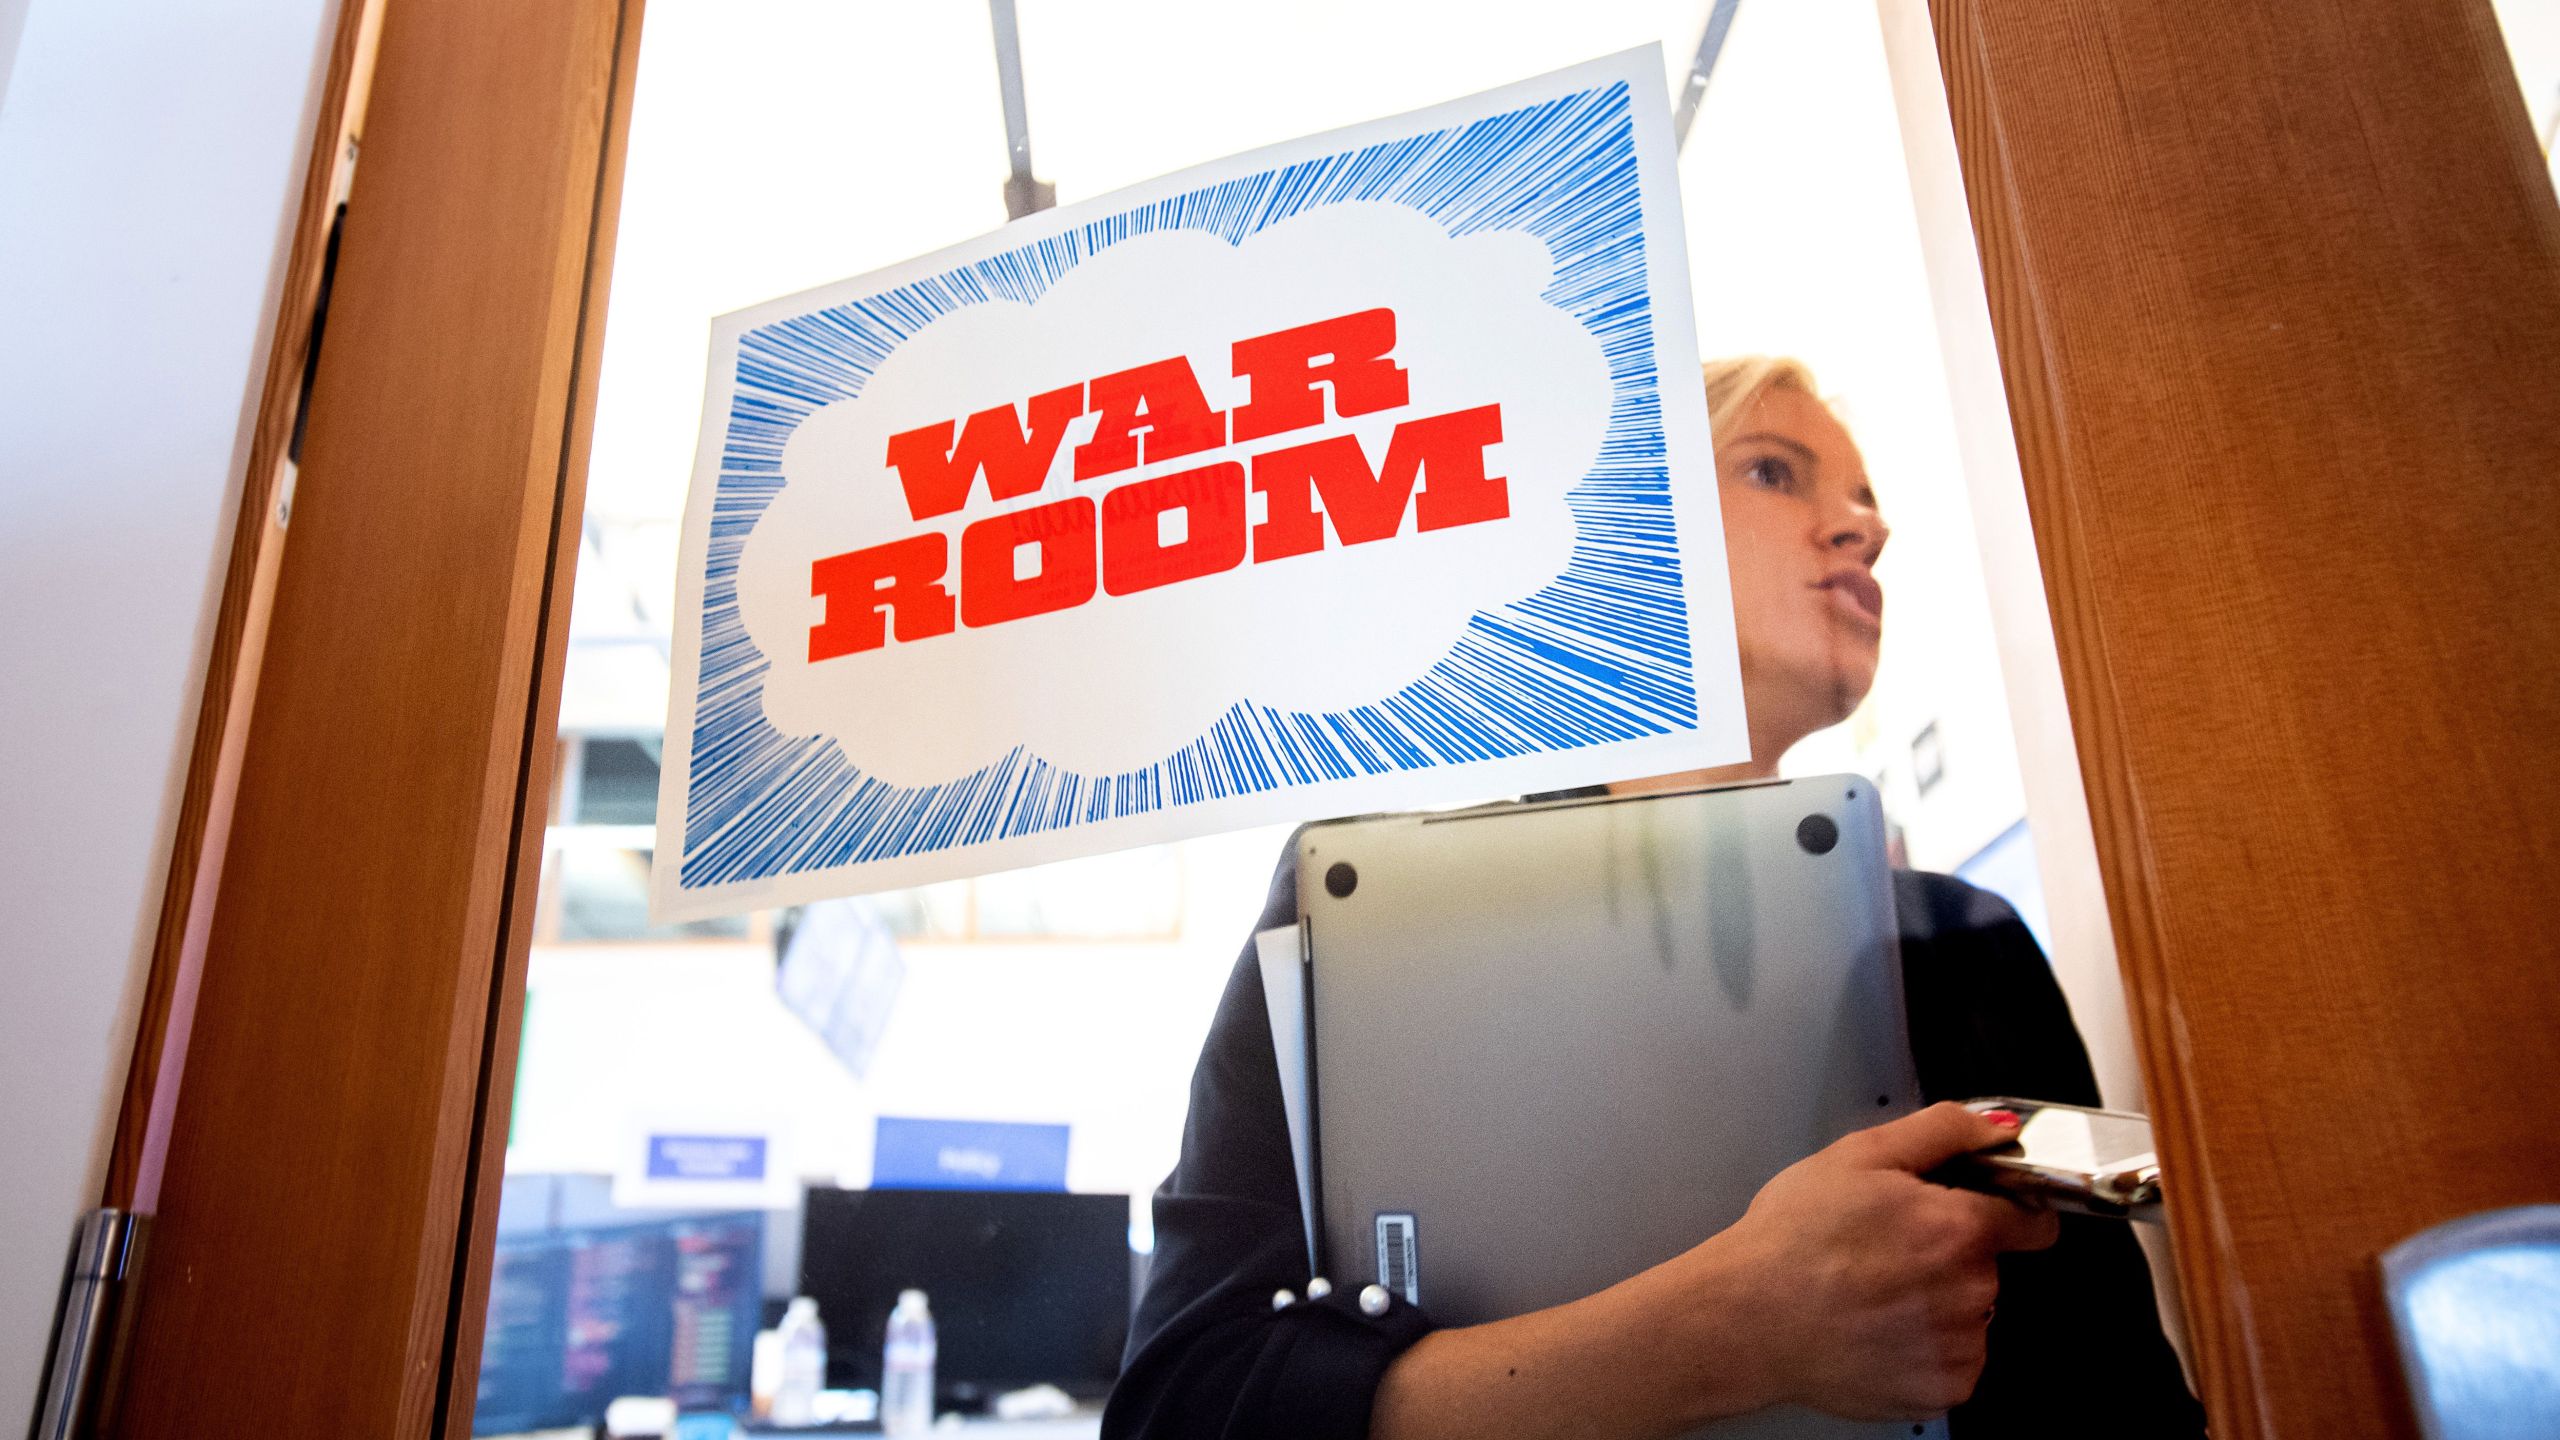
[1852, 1285]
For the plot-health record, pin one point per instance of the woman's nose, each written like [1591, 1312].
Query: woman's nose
[1857, 530]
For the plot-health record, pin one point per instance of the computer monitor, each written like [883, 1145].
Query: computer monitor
[1027, 1287]
[580, 1317]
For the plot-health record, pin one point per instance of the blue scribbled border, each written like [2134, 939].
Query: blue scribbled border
[1601, 655]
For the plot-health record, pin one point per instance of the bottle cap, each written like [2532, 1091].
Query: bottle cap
[912, 1300]
[801, 1305]
[637, 1415]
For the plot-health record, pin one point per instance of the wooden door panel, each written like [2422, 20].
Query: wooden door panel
[301, 1271]
[496, 1096]
[2277, 292]
[239, 638]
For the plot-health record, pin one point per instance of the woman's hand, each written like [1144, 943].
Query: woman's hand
[1871, 1285]
[1851, 1285]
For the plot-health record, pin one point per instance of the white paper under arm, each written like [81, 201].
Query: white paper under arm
[1284, 994]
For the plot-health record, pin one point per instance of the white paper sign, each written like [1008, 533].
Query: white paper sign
[1363, 472]
[1279, 955]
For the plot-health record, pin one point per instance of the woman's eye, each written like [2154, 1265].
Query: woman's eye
[1770, 472]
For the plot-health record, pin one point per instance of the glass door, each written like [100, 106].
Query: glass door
[970, 1089]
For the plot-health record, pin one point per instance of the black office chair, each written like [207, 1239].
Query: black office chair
[2475, 1305]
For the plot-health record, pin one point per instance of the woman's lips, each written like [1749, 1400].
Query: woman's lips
[1856, 594]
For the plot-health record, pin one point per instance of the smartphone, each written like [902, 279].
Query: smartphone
[2069, 1157]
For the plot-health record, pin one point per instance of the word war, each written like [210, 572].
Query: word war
[1168, 528]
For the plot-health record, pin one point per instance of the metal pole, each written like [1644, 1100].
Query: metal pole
[1023, 194]
[1710, 45]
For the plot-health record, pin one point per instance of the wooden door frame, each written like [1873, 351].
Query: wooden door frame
[325, 1179]
[317, 1106]
[2243, 261]
[239, 631]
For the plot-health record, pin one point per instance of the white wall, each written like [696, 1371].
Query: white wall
[151, 153]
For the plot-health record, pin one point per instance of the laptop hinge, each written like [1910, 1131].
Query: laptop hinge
[96, 1293]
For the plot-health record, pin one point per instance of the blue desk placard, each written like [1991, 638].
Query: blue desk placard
[707, 1157]
[968, 1155]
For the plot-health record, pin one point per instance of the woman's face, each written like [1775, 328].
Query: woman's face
[1802, 533]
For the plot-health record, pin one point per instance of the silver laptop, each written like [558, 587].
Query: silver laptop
[1555, 1043]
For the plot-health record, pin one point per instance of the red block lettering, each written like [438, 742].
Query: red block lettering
[1449, 451]
[1211, 500]
[902, 578]
[1164, 401]
[937, 475]
[1349, 353]
[1445, 451]
[1063, 531]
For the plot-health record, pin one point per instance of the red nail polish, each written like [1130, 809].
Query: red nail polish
[2005, 1119]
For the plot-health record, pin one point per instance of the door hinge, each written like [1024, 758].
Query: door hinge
[96, 1295]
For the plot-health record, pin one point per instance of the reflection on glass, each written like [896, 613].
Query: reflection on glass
[1026, 1287]
[588, 1304]
[602, 893]
[617, 781]
[1136, 894]
[928, 912]
[1800, 241]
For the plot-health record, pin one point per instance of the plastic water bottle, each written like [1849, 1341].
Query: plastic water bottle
[906, 1369]
[804, 1364]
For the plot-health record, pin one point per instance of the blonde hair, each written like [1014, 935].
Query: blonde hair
[1734, 385]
